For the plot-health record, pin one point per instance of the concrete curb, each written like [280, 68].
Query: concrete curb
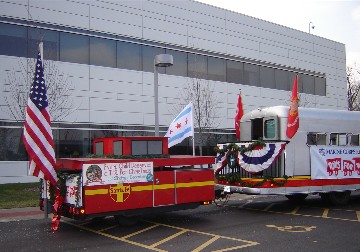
[17, 214]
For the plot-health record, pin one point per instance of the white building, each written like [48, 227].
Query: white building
[105, 49]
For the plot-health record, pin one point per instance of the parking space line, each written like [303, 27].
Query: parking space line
[140, 231]
[358, 215]
[115, 237]
[294, 211]
[204, 245]
[269, 206]
[325, 213]
[168, 238]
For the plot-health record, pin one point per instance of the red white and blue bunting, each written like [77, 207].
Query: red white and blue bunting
[260, 158]
[252, 159]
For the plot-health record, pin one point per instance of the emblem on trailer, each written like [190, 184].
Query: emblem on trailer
[93, 174]
[120, 192]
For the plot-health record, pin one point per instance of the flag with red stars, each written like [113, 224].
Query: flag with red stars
[181, 127]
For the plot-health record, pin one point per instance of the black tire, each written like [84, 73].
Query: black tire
[339, 198]
[296, 197]
[126, 220]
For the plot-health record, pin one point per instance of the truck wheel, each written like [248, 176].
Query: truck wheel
[339, 198]
[126, 220]
[296, 197]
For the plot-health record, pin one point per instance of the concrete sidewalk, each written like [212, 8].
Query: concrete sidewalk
[17, 214]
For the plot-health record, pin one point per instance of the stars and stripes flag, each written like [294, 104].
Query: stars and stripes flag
[238, 116]
[293, 116]
[37, 137]
[181, 127]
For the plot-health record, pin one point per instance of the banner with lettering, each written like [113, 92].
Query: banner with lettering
[117, 173]
[335, 162]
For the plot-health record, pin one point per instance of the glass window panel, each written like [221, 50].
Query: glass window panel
[129, 56]
[74, 48]
[316, 139]
[12, 147]
[102, 52]
[197, 66]
[138, 147]
[251, 75]
[148, 56]
[291, 81]
[282, 79]
[154, 147]
[117, 148]
[234, 71]
[180, 63]
[13, 40]
[320, 86]
[72, 143]
[267, 77]
[308, 84]
[99, 148]
[354, 140]
[51, 43]
[216, 69]
[269, 130]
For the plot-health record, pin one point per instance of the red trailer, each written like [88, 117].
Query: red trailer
[134, 176]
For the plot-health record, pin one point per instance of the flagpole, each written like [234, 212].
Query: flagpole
[41, 49]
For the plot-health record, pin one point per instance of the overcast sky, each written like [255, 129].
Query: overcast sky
[338, 20]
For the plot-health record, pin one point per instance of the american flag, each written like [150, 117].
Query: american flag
[37, 137]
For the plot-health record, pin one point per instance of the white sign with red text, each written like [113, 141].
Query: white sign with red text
[73, 190]
[335, 162]
[117, 173]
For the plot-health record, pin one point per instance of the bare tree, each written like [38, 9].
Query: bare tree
[353, 87]
[18, 87]
[201, 93]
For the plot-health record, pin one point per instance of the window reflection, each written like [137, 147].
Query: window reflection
[148, 56]
[13, 40]
[129, 56]
[74, 48]
[180, 63]
[102, 52]
[197, 66]
[23, 41]
[216, 69]
[50, 45]
[234, 71]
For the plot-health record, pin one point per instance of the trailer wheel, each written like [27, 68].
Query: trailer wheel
[126, 220]
[296, 197]
[337, 198]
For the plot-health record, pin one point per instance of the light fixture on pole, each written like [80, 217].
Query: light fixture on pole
[311, 26]
[160, 60]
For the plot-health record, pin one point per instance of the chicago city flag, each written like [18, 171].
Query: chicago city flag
[181, 127]
[37, 137]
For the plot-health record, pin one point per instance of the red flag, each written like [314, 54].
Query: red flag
[293, 117]
[239, 114]
[37, 137]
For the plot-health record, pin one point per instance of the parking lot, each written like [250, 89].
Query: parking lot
[243, 223]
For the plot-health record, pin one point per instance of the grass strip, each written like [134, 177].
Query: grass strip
[19, 195]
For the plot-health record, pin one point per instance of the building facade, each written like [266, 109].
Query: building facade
[100, 59]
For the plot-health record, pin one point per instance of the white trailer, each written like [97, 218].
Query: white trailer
[322, 158]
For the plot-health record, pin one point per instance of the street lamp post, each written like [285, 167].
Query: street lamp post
[160, 60]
